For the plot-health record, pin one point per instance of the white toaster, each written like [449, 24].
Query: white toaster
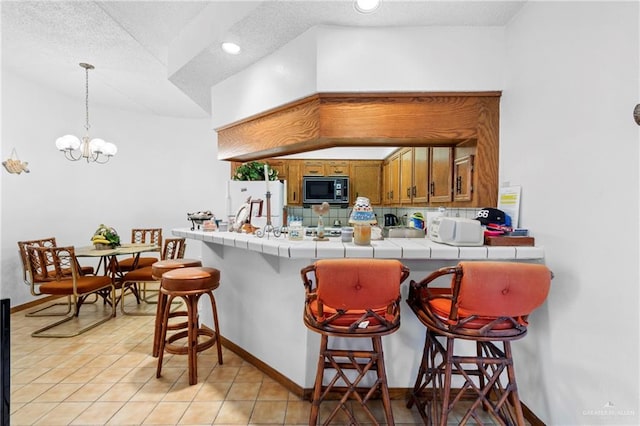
[456, 231]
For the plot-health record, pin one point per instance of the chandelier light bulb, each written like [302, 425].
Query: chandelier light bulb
[68, 142]
[96, 145]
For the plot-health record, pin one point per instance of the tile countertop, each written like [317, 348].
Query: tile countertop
[389, 248]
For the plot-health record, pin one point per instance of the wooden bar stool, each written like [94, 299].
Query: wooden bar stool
[352, 298]
[157, 269]
[488, 303]
[189, 284]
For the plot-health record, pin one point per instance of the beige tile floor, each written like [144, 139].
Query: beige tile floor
[106, 376]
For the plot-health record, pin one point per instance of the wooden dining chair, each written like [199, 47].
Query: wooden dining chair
[47, 268]
[34, 287]
[142, 236]
[139, 281]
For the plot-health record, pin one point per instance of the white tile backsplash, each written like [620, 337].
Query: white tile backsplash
[311, 219]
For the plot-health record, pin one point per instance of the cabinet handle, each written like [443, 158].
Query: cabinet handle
[337, 171]
[391, 195]
[294, 195]
[432, 189]
[414, 191]
[408, 192]
[313, 171]
[459, 185]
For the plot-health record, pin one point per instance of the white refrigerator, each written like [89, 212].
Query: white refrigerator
[239, 192]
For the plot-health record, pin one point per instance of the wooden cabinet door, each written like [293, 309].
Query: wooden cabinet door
[463, 179]
[280, 166]
[394, 179]
[234, 166]
[386, 191]
[365, 179]
[336, 168]
[420, 188]
[441, 175]
[406, 175]
[313, 168]
[294, 183]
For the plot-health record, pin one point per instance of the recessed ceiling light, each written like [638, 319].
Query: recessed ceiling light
[366, 6]
[231, 48]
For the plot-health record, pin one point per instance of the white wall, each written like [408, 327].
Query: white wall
[286, 75]
[568, 137]
[410, 59]
[165, 168]
[334, 59]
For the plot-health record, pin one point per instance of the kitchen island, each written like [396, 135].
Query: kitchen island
[261, 296]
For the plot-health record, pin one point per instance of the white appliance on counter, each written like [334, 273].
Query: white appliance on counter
[456, 231]
[241, 190]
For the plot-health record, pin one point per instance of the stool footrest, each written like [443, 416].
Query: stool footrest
[183, 350]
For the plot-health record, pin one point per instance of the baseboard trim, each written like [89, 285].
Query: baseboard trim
[263, 367]
[34, 303]
[306, 393]
[531, 417]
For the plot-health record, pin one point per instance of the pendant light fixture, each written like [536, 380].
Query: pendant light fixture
[92, 150]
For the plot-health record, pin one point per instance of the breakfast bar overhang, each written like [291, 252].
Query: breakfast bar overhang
[261, 297]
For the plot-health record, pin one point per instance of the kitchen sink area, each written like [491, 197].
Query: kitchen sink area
[402, 232]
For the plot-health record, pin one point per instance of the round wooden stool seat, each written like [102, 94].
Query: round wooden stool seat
[157, 270]
[162, 266]
[189, 284]
[188, 280]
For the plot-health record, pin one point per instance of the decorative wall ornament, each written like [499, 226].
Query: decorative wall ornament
[14, 165]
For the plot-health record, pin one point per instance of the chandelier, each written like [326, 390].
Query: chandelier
[92, 150]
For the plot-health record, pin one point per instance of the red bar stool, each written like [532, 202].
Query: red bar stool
[189, 284]
[352, 298]
[487, 303]
[157, 269]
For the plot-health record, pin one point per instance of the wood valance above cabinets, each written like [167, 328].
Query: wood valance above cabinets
[454, 134]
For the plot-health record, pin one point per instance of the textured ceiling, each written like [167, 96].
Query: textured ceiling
[129, 41]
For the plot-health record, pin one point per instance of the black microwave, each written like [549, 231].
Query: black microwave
[318, 189]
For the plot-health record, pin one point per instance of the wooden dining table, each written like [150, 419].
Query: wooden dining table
[108, 260]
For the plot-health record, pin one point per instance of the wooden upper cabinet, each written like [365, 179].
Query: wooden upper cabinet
[420, 190]
[463, 178]
[234, 167]
[390, 178]
[365, 180]
[313, 168]
[406, 175]
[394, 179]
[414, 175]
[280, 166]
[336, 168]
[441, 175]
[294, 183]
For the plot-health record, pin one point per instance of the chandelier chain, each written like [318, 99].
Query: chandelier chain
[86, 98]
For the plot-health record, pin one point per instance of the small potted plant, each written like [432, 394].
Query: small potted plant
[254, 170]
[105, 238]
